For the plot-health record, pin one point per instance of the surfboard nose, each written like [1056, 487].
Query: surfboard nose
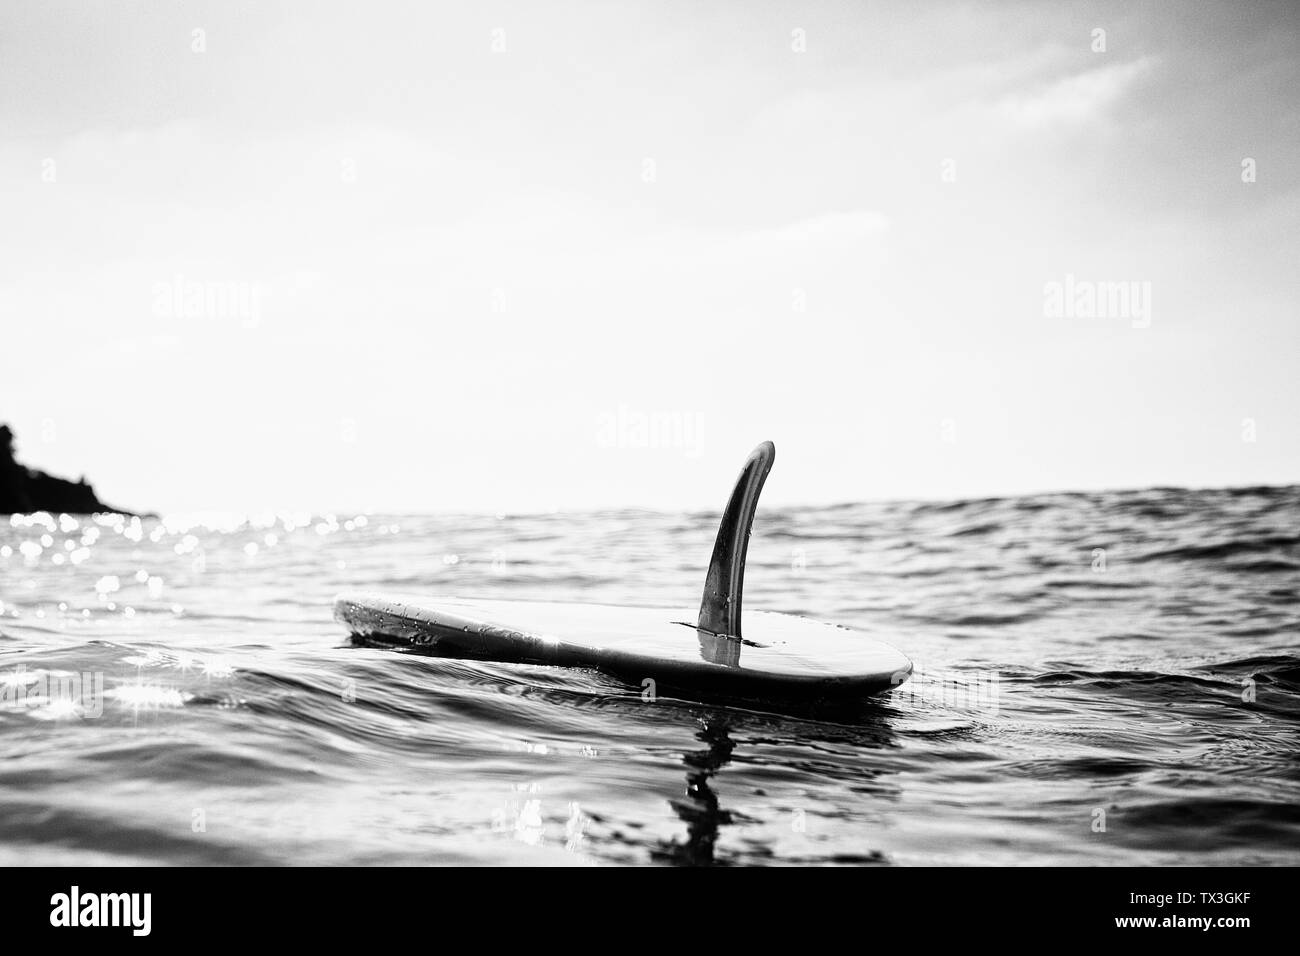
[725, 582]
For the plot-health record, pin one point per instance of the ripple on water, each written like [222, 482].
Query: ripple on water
[176, 691]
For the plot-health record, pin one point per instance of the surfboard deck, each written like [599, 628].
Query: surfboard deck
[780, 655]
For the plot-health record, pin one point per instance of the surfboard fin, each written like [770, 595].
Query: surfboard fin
[720, 607]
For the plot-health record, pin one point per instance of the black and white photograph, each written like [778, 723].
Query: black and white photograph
[651, 434]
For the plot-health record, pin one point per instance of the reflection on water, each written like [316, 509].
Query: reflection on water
[699, 808]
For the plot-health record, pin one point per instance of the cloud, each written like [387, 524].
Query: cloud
[1077, 98]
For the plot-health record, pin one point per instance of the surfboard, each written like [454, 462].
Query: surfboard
[701, 652]
[781, 655]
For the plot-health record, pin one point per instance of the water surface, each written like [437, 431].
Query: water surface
[1101, 679]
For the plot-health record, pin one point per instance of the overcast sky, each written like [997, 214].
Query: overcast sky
[523, 255]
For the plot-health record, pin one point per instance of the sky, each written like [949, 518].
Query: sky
[519, 256]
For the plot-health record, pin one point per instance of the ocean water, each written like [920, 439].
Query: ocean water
[1104, 678]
